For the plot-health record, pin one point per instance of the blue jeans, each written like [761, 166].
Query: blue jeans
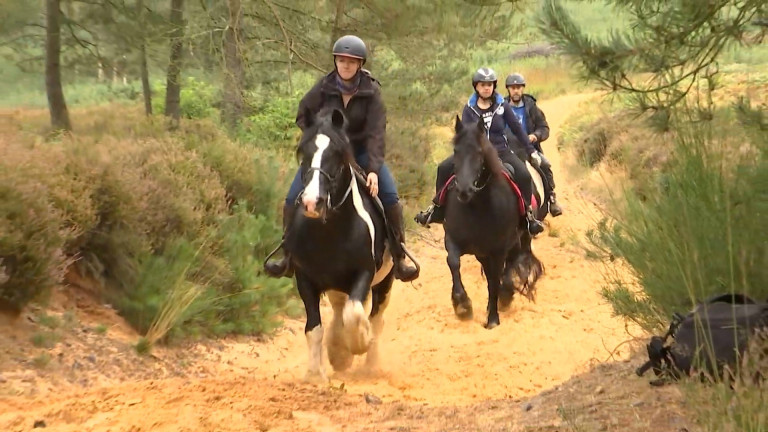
[387, 188]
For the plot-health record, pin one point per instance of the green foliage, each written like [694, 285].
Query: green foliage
[145, 214]
[668, 49]
[143, 346]
[248, 301]
[699, 231]
[45, 339]
[198, 99]
[273, 125]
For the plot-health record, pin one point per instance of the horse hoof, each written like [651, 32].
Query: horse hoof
[463, 311]
[359, 337]
[492, 324]
[315, 377]
[340, 358]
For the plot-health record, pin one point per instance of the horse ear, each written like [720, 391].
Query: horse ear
[481, 126]
[458, 126]
[337, 119]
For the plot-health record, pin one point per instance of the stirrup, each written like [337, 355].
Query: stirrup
[534, 225]
[278, 269]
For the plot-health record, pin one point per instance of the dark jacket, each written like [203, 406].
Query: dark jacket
[536, 122]
[503, 117]
[365, 112]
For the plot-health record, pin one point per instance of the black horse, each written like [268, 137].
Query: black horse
[338, 245]
[483, 218]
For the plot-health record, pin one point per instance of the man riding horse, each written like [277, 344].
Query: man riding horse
[534, 124]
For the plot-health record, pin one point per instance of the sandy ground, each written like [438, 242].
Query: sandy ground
[437, 373]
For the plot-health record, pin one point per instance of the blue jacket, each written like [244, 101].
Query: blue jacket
[503, 117]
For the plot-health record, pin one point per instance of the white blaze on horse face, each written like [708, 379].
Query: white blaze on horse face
[312, 191]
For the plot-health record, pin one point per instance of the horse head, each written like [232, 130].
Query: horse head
[475, 160]
[325, 154]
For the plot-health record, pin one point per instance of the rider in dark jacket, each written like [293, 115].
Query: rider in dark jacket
[487, 105]
[535, 126]
[354, 91]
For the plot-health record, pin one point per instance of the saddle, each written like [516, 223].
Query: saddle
[508, 175]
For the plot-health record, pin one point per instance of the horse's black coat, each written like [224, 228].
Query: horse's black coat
[483, 219]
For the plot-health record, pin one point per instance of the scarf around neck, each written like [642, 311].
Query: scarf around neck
[348, 88]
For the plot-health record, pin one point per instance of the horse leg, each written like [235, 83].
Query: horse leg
[379, 301]
[313, 330]
[493, 266]
[357, 327]
[507, 291]
[338, 352]
[462, 305]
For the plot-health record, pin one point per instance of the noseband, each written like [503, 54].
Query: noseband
[333, 181]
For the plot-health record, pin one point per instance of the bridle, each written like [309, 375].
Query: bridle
[334, 181]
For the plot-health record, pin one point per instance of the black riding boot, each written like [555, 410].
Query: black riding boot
[403, 271]
[433, 214]
[554, 207]
[283, 267]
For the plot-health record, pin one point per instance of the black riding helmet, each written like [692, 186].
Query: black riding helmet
[515, 79]
[484, 74]
[350, 46]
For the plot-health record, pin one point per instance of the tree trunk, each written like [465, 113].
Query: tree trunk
[336, 30]
[56, 103]
[173, 84]
[145, 88]
[233, 104]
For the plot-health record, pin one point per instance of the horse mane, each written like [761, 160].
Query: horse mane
[492, 161]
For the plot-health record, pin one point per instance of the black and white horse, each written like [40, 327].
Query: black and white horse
[338, 245]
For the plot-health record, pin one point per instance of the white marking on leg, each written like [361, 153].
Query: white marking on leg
[357, 199]
[338, 353]
[377, 322]
[315, 345]
[357, 327]
[353, 312]
[312, 191]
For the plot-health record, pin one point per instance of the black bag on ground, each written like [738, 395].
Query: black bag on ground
[709, 340]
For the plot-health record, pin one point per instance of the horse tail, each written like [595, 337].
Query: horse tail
[529, 269]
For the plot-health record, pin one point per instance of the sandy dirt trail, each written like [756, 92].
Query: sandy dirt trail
[428, 356]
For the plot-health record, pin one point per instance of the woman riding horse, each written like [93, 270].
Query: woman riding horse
[351, 89]
[487, 105]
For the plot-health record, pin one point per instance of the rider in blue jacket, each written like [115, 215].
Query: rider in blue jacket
[487, 105]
